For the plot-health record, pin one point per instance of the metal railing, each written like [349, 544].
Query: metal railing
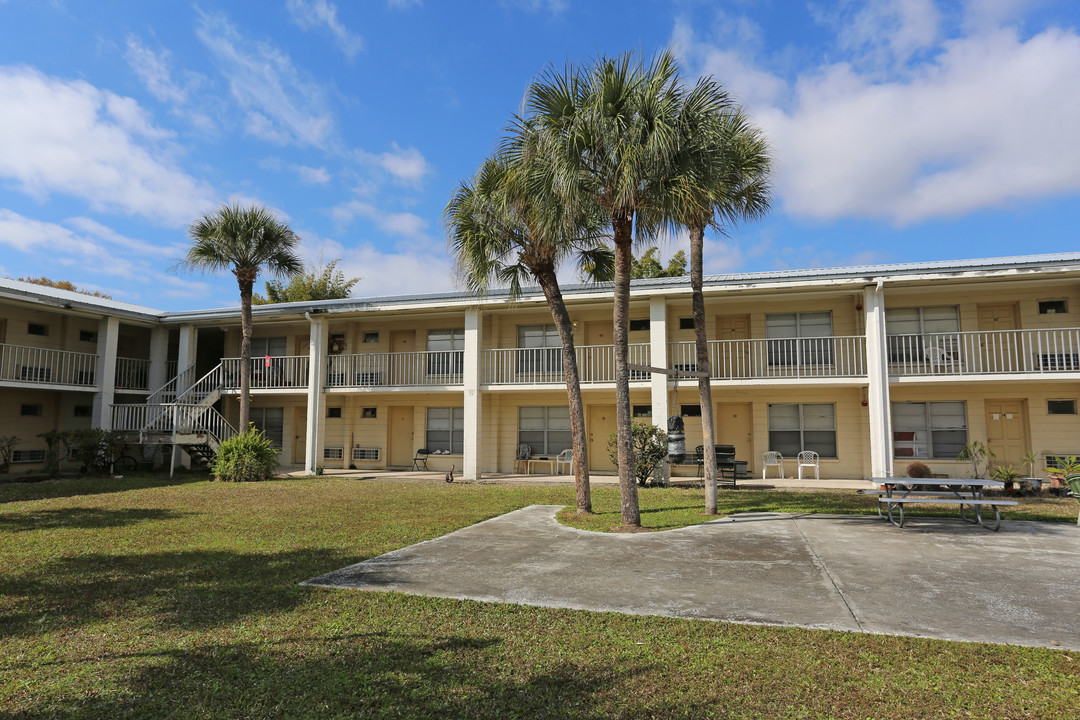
[543, 366]
[208, 386]
[52, 367]
[176, 384]
[182, 418]
[985, 352]
[279, 372]
[396, 369]
[132, 374]
[820, 357]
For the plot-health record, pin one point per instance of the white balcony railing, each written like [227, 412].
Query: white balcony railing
[274, 373]
[821, 357]
[47, 367]
[132, 374]
[542, 366]
[423, 368]
[985, 352]
[183, 418]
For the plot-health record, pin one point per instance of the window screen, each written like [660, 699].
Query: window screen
[545, 429]
[793, 428]
[446, 429]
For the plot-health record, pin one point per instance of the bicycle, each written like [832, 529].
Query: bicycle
[102, 464]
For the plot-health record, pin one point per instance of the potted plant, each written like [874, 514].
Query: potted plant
[1067, 465]
[1007, 475]
[977, 454]
[1031, 458]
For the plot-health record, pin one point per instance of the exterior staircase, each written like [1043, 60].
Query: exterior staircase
[180, 412]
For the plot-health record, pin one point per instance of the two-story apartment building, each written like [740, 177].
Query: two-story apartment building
[872, 367]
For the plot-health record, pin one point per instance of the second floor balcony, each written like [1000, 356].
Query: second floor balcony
[44, 366]
[978, 353]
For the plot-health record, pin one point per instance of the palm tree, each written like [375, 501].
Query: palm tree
[503, 226]
[721, 178]
[609, 131]
[247, 240]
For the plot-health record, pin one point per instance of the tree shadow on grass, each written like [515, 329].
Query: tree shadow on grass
[187, 590]
[83, 518]
[355, 676]
[76, 487]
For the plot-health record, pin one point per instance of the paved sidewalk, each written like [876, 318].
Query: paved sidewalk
[938, 578]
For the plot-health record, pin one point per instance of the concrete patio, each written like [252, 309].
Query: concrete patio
[937, 577]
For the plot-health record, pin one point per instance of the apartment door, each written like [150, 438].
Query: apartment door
[398, 366]
[999, 349]
[601, 423]
[303, 345]
[597, 364]
[734, 357]
[399, 437]
[735, 426]
[1007, 431]
[299, 435]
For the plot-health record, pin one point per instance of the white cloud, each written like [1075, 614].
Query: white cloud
[406, 225]
[889, 30]
[382, 273]
[312, 176]
[322, 14]
[406, 164]
[153, 69]
[102, 232]
[989, 118]
[992, 14]
[80, 251]
[283, 107]
[553, 7]
[59, 136]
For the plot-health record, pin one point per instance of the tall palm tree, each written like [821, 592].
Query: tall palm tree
[721, 177]
[245, 240]
[609, 131]
[504, 226]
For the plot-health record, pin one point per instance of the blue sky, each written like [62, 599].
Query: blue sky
[902, 130]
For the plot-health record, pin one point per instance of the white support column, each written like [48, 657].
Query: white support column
[473, 404]
[185, 353]
[316, 407]
[159, 356]
[877, 370]
[658, 358]
[108, 333]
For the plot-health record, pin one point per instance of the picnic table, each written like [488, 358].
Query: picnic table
[964, 492]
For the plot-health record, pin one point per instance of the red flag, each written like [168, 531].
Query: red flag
[267, 361]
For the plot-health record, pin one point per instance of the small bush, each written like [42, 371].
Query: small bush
[650, 449]
[7, 448]
[94, 449]
[918, 470]
[246, 457]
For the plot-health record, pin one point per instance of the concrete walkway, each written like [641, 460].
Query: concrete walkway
[939, 578]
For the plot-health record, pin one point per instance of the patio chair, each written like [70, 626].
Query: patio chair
[771, 458]
[566, 457]
[419, 461]
[521, 459]
[1073, 481]
[809, 458]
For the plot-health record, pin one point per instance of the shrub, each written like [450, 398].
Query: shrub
[7, 448]
[94, 449]
[650, 449]
[918, 470]
[246, 457]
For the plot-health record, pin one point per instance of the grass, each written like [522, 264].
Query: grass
[666, 509]
[145, 598]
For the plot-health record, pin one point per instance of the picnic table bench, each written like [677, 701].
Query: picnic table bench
[965, 493]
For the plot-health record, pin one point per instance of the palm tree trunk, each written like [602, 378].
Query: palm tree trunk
[550, 285]
[622, 226]
[246, 279]
[708, 432]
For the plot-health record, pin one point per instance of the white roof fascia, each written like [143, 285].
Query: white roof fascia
[67, 300]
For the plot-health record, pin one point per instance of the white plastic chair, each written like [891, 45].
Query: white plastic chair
[773, 458]
[566, 457]
[809, 458]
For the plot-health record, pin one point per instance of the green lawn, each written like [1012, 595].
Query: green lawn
[157, 599]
